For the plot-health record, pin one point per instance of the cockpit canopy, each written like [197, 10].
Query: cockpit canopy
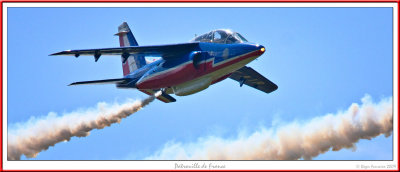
[222, 36]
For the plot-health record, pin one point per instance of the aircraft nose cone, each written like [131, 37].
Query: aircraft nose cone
[261, 49]
[254, 48]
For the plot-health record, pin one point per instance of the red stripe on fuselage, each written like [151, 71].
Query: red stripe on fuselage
[187, 72]
[213, 69]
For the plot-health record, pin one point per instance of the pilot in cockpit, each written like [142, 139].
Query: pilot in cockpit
[222, 36]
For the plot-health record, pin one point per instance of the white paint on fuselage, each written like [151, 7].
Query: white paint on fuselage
[189, 62]
[214, 75]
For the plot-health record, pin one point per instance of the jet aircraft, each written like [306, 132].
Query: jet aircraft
[184, 68]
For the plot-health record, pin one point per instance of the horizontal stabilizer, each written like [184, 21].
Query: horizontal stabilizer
[105, 81]
[248, 76]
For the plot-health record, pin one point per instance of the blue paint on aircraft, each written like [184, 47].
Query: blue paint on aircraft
[184, 68]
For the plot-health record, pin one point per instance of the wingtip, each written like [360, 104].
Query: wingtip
[274, 88]
[57, 53]
[60, 53]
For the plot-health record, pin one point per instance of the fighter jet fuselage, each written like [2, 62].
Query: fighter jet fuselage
[183, 69]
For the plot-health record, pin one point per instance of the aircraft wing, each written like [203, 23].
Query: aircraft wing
[247, 75]
[168, 51]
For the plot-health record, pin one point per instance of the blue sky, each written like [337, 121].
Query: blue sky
[322, 59]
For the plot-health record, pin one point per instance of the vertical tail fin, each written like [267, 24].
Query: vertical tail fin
[129, 62]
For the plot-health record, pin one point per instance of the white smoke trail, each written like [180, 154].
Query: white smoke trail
[39, 134]
[293, 141]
